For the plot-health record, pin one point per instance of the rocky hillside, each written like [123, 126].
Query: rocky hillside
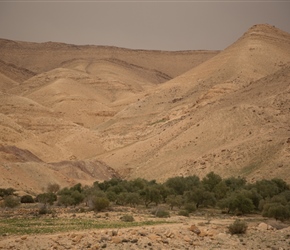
[227, 115]
[73, 114]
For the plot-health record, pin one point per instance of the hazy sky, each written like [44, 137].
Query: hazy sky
[164, 25]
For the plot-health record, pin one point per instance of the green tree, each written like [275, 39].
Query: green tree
[210, 181]
[77, 197]
[281, 184]
[107, 184]
[112, 196]
[164, 192]
[138, 184]
[177, 185]
[235, 183]
[286, 195]
[64, 191]
[91, 193]
[150, 195]
[77, 187]
[255, 197]
[117, 189]
[277, 211]
[133, 199]
[174, 201]
[237, 202]
[266, 188]
[121, 199]
[191, 182]
[72, 196]
[200, 196]
[66, 200]
[46, 198]
[221, 190]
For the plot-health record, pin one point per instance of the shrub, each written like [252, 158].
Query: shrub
[46, 198]
[53, 188]
[161, 213]
[190, 207]
[6, 192]
[43, 210]
[100, 203]
[27, 199]
[11, 201]
[127, 218]
[66, 200]
[184, 213]
[238, 227]
[77, 197]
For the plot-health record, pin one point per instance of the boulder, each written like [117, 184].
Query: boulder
[195, 229]
[263, 226]
[117, 240]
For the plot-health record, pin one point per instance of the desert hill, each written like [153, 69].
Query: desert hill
[42, 57]
[53, 94]
[194, 123]
[89, 113]
[10, 75]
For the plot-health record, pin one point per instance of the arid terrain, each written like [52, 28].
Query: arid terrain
[201, 232]
[78, 114]
[74, 114]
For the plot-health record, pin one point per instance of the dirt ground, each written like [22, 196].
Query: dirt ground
[202, 230]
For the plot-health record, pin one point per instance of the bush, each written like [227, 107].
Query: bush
[11, 201]
[190, 207]
[127, 218]
[238, 227]
[43, 210]
[53, 188]
[6, 192]
[184, 213]
[161, 213]
[66, 200]
[27, 199]
[46, 198]
[100, 203]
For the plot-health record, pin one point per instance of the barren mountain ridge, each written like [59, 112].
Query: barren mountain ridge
[72, 114]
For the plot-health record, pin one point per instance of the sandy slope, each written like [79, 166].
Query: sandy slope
[150, 114]
[193, 124]
[49, 114]
[11, 75]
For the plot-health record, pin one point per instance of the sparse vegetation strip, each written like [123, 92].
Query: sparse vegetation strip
[185, 195]
[21, 226]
